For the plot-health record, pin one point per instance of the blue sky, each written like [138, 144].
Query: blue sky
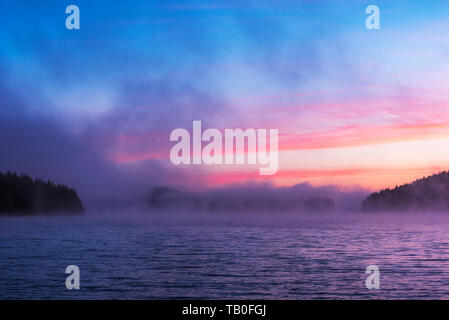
[136, 70]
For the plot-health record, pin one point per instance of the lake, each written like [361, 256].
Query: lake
[225, 256]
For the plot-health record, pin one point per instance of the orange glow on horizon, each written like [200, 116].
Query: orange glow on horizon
[373, 157]
[371, 179]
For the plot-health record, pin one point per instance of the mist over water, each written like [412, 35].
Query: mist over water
[163, 255]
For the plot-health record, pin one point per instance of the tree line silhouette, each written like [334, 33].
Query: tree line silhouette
[168, 198]
[428, 194]
[23, 195]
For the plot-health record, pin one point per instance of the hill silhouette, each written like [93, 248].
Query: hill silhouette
[237, 200]
[23, 195]
[426, 194]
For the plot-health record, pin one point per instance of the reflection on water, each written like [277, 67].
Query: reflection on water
[226, 257]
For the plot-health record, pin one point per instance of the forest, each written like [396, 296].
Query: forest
[21, 194]
[426, 194]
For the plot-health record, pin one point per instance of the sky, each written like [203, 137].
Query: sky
[354, 107]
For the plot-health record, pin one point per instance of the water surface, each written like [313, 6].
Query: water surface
[225, 257]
